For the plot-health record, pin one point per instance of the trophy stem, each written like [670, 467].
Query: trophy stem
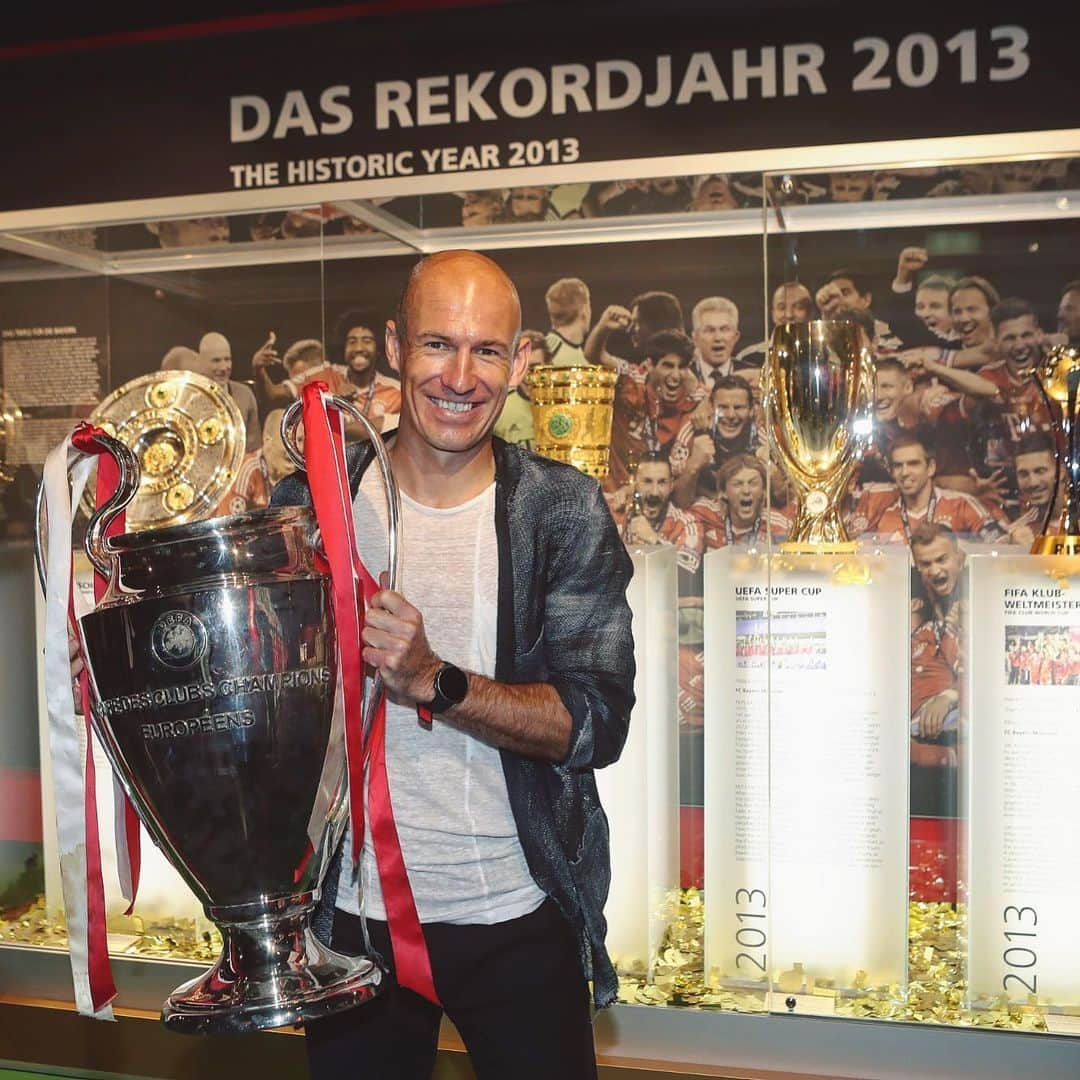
[818, 533]
[272, 972]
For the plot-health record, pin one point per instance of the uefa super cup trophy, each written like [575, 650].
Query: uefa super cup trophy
[1058, 375]
[214, 673]
[819, 388]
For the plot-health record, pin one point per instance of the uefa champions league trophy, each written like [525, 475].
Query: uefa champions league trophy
[213, 665]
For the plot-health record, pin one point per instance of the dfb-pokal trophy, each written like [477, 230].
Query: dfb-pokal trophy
[213, 669]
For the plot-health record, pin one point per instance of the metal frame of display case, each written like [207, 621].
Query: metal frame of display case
[655, 1041]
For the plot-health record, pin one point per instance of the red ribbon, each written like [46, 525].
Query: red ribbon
[324, 453]
[102, 987]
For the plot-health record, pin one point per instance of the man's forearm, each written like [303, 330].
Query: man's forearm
[528, 718]
[967, 382]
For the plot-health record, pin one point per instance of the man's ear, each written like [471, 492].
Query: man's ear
[392, 346]
[519, 364]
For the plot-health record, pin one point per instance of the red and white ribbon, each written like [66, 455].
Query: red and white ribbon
[70, 736]
[353, 588]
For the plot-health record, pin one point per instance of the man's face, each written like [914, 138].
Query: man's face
[461, 358]
[1035, 474]
[653, 483]
[480, 208]
[527, 203]
[714, 194]
[1020, 342]
[890, 388]
[849, 187]
[715, 336]
[193, 232]
[732, 408]
[912, 471]
[667, 377]
[791, 303]
[1069, 315]
[745, 494]
[850, 297]
[971, 316]
[359, 348]
[932, 309]
[1010, 176]
[939, 565]
[219, 364]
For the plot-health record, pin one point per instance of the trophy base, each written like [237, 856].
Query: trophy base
[801, 547]
[1056, 545]
[271, 973]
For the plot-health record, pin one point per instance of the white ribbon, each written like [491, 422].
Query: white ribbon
[67, 745]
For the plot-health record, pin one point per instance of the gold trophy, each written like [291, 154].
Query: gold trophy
[1058, 374]
[572, 411]
[10, 421]
[818, 393]
[188, 437]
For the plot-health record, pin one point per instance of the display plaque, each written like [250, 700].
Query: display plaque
[1023, 790]
[806, 751]
[640, 792]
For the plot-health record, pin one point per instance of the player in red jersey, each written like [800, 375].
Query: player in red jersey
[936, 637]
[918, 499]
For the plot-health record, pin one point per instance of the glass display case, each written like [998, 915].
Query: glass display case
[848, 787]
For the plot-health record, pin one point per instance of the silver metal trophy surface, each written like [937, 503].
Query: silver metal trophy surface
[214, 669]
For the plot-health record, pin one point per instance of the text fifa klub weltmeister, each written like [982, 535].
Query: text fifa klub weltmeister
[805, 69]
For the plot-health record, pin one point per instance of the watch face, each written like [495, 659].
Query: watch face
[452, 683]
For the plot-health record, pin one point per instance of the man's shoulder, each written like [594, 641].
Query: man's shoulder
[241, 392]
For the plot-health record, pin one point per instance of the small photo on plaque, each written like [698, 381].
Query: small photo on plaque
[1042, 655]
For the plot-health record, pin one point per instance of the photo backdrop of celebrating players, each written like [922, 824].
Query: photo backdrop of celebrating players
[963, 447]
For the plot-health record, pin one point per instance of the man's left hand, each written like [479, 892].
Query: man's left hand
[395, 643]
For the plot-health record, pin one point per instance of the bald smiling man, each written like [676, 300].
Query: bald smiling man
[511, 623]
[215, 357]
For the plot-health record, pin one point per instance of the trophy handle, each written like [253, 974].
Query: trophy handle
[96, 543]
[289, 421]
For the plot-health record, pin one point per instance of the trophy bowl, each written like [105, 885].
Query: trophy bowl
[818, 393]
[572, 413]
[213, 672]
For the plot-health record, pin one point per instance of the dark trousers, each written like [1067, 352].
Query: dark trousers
[514, 990]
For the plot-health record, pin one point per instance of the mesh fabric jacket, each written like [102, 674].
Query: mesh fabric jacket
[562, 619]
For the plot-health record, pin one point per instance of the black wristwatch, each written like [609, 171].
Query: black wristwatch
[451, 686]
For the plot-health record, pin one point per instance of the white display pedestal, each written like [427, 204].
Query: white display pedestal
[1023, 791]
[640, 792]
[806, 769]
[163, 895]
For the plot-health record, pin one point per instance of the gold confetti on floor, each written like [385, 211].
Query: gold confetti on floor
[934, 994]
[172, 939]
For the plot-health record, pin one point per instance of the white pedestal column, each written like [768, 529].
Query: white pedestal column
[640, 792]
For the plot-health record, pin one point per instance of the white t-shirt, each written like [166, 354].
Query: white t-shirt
[447, 787]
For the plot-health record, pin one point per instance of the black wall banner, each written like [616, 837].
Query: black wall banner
[474, 90]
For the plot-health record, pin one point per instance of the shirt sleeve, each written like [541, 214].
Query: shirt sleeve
[588, 643]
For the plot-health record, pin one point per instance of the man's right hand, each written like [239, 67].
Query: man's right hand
[911, 261]
[615, 317]
[265, 355]
[702, 453]
[642, 532]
